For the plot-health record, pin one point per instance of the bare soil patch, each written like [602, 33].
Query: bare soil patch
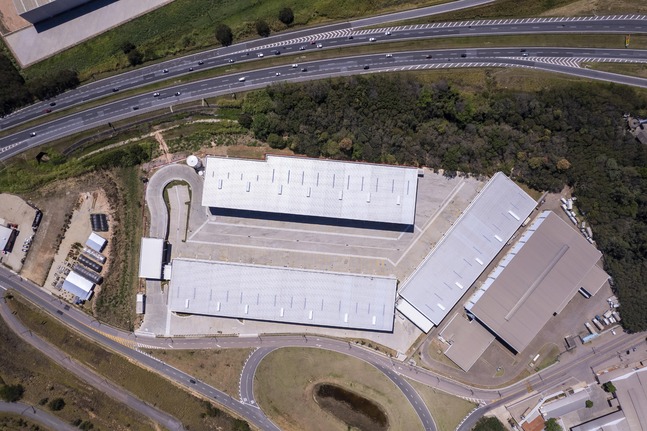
[352, 409]
[9, 19]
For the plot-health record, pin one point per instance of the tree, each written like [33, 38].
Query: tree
[224, 34]
[135, 57]
[609, 387]
[56, 404]
[489, 424]
[262, 28]
[11, 393]
[552, 425]
[127, 46]
[286, 16]
[588, 404]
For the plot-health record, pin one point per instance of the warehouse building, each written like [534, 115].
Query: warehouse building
[535, 280]
[467, 340]
[312, 190]
[151, 258]
[39, 10]
[464, 252]
[285, 295]
[78, 286]
[7, 238]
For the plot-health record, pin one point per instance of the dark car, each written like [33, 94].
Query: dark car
[114, 90]
[192, 381]
[350, 37]
[200, 62]
[463, 55]
[304, 69]
[135, 108]
[52, 104]
[276, 52]
[428, 56]
[366, 67]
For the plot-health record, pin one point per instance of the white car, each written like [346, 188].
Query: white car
[389, 55]
[241, 79]
[388, 33]
[278, 73]
[260, 54]
[372, 39]
[294, 66]
[319, 45]
[156, 95]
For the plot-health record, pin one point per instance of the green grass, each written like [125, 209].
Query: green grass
[639, 70]
[193, 136]
[447, 410]
[144, 384]
[284, 391]
[43, 379]
[188, 25]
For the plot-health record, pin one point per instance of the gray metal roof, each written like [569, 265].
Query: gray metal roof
[39, 10]
[537, 277]
[631, 391]
[566, 405]
[150, 258]
[615, 421]
[313, 187]
[5, 235]
[467, 248]
[468, 340]
[285, 295]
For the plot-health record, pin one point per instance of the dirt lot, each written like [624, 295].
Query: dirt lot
[14, 210]
[9, 18]
[284, 389]
[58, 202]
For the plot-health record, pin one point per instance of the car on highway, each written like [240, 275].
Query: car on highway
[156, 95]
[312, 42]
[389, 55]
[241, 79]
[302, 48]
[304, 69]
[32, 134]
[177, 93]
[52, 104]
[525, 54]
[200, 62]
[115, 89]
[135, 108]
[428, 56]
[463, 55]
[47, 111]
[388, 33]
[276, 52]
[192, 381]
[350, 37]
[319, 45]
[165, 71]
[231, 60]
[190, 69]
[278, 74]
[260, 54]
[294, 66]
[372, 39]
[366, 66]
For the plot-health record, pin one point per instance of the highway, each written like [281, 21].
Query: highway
[560, 60]
[300, 43]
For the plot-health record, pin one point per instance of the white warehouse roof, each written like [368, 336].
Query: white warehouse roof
[458, 259]
[78, 285]
[285, 295]
[96, 242]
[150, 258]
[313, 187]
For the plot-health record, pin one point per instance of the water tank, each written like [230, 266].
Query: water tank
[193, 162]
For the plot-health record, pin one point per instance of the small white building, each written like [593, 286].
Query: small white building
[78, 285]
[151, 257]
[96, 242]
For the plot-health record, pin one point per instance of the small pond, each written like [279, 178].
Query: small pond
[351, 408]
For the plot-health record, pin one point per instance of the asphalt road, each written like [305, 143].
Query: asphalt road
[299, 42]
[553, 376]
[249, 371]
[34, 414]
[86, 374]
[561, 60]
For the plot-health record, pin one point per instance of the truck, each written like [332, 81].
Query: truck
[590, 328]
[597, 324]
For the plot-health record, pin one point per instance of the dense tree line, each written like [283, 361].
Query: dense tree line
[15, 92]
[573, 135]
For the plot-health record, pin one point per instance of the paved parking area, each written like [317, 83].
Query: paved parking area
[14, 210]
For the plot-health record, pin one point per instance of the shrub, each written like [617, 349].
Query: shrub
[224, 35]
[552, 425]
[262, 28]
[11, 393]
[588, 404]
[608, 387]
[56, 404]
[135, 57]
[126, 47]
[286, 16]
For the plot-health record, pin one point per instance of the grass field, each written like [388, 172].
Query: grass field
[447, 410]
[189, 25]
[639, 70]
[142, 383]
[218, 368]
[285, 379]
[43, 379]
